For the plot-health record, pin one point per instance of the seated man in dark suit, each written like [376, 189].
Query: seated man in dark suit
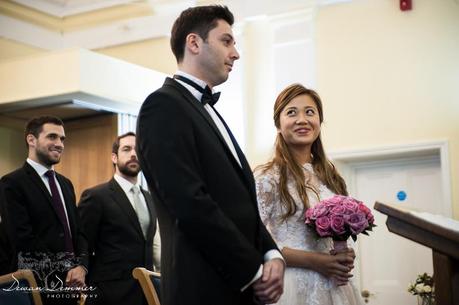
[119, 221]
[43, 217]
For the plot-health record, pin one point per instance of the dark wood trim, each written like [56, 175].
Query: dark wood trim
[443, 242]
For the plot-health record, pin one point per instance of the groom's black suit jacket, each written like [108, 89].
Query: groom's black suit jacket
[213, 240]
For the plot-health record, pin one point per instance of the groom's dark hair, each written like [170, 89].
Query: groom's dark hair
[199, 20]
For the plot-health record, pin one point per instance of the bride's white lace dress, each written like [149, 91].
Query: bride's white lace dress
[301, 286]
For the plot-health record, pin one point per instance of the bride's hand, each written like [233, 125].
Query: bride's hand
[351, 255]
[334, 266]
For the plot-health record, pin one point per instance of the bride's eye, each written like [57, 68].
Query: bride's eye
[291, 112]
[310, 111]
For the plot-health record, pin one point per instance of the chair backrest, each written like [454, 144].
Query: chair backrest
[19, 288]
[149, 281]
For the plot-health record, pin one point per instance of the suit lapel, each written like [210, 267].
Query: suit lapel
[199, 108]
[36, 179]
[65, 192]
[33, 175]
[122, 200]
[245, 170]
[151, 211]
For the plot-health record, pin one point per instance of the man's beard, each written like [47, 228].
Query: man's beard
[128, 171]
[45, 158]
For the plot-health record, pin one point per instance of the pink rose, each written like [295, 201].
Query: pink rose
[323, 226]
[350, 206]
[370, 219]
[338, 210]
[335, 200]
[357, 222]
[365, 210]
[330, 204]
[319, 211]
[337, 224]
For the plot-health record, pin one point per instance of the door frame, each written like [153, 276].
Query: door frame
[348, 160]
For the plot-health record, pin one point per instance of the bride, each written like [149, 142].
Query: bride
[296, 178]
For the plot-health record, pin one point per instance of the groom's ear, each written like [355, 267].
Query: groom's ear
[193, 43]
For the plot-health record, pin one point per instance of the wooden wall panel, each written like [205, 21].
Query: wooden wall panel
[87, 156]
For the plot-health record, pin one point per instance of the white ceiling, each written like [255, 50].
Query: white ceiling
[129, 30]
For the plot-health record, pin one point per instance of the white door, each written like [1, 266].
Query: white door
[389, 262]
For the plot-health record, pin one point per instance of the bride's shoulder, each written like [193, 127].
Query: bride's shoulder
[265, 172]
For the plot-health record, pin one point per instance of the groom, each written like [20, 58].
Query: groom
[215, 249]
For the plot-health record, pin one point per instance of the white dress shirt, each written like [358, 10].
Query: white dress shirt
[271, 254]
[126, 186]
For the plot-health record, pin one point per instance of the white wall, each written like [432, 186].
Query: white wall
[389, 77]
[278, 51]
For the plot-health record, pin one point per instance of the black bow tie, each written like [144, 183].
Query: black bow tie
[207, 95]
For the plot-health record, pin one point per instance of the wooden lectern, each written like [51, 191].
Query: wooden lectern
[443, 241]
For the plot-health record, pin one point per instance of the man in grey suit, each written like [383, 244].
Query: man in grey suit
[119, 221]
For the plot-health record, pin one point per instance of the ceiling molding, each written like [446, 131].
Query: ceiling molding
[120, 32]
[29, 34]
[103, 36]
[27, 14]
[80, 21]
[67, 8]
[116, 30]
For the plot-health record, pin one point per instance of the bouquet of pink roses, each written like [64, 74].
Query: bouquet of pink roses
[340, 217]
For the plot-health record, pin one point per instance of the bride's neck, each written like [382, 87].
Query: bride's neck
[302, 155]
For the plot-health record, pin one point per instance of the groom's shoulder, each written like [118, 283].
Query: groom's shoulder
[169, 89]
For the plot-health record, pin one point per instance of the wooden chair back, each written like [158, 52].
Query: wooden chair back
[19, 288]
[146, 280]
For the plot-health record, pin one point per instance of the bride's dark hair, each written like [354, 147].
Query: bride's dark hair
[287, 165]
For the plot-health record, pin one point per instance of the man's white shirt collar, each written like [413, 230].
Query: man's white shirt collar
[124, 183]
[199, 82]
[39, 168]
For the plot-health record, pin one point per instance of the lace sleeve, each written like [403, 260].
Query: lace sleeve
[266, 194]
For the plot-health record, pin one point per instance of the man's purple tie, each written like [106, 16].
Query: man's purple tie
[59, 207]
